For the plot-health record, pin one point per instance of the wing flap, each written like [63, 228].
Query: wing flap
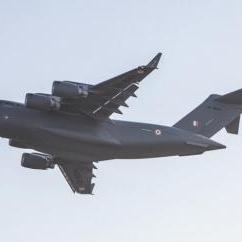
[105, 98]
[112, 105]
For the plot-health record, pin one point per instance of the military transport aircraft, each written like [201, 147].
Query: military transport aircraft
[71, 127]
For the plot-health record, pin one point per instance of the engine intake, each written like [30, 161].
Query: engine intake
[37, 161]
[68, 89]
[43, 102]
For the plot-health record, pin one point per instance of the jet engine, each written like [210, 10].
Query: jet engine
[67, 89]
[43, 102]
[37, 161]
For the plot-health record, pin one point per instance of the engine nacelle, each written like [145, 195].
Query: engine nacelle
[17, 144]
[37, 161]
[68, 89]
[42, 102]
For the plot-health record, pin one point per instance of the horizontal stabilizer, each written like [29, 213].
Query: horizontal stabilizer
[233, 127]
[231, 98]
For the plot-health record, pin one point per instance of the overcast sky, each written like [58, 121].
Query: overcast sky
[166, 199]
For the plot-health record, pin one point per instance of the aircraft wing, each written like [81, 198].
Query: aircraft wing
[106, 97]
[79, 176]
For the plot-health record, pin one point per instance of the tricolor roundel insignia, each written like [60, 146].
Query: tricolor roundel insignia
[157, 132]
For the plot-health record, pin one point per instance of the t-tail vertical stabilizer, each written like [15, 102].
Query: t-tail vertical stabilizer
[215, 113]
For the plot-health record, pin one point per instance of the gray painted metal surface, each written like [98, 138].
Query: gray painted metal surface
[71, 127]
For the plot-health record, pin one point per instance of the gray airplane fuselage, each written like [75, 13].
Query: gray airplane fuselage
[78, 137]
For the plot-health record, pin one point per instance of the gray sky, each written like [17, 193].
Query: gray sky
[167, 199]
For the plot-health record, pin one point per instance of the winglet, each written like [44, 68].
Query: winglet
[155, 61]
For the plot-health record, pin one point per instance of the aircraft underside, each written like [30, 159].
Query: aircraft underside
[72, 129]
